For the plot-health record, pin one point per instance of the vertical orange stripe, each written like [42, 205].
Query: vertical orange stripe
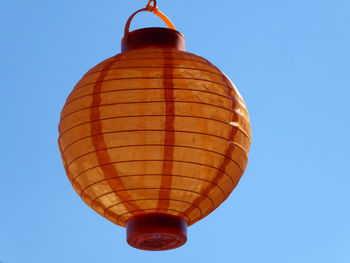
[169, 136]
[99, 143]
[225, 162]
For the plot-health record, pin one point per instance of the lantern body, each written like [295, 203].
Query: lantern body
[154, 130]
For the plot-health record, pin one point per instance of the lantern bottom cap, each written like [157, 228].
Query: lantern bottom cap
[156, 231]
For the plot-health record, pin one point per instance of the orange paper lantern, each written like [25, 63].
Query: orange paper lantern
[154, 138]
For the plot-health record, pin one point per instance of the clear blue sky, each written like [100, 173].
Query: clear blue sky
[289, 59]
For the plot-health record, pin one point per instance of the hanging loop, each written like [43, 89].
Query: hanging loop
[149, 8]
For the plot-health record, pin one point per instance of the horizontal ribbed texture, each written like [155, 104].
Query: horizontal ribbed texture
[154, 130]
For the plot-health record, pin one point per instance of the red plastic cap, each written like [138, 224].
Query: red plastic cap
[156, 232]
[153, 36]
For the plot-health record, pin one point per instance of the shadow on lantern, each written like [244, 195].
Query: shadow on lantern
[154, 138]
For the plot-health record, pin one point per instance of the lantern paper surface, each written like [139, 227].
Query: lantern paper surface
[154, 130]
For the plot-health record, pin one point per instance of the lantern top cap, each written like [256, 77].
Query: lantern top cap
[154, 36]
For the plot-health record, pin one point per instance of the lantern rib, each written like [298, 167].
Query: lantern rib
[112, 104]
[156, 188]
[155, 160]
[155, 58]
[134, 57]
[151, 188]
[141, 145]
[73, 179]
[154, 115]
[156, 130]
[144, 102]
[145, 199]
[137, 175]
[120, 90]
[152, 78]
[155, 51]
[186, 56]
[175, 175]
[157, 209]
[152, 67]
[118, 58]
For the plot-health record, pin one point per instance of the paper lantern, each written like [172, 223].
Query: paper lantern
[154, 138]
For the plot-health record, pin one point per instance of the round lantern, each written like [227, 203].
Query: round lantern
[154, 138]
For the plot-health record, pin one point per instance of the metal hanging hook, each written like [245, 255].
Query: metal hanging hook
[151, 7]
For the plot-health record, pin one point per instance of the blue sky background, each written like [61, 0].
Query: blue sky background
[289, 59]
